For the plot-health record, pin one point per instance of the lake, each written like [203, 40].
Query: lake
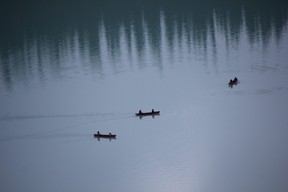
[71, 68]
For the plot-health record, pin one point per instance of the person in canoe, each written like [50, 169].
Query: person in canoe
[231, 83]
[152, 110]
[140, 112]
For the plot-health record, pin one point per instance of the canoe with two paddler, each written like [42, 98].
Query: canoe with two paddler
[147, 113]
[98, 135]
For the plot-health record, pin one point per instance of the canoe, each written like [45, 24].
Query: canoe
[104, 135]
[233, 82]
[148, 113]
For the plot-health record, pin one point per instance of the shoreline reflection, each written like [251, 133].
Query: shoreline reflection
[160, 38]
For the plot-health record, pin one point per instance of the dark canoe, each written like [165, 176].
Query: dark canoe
[233, 82]
[104, 136]
[148, 113]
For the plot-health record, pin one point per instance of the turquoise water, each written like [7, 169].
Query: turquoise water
[69, 69]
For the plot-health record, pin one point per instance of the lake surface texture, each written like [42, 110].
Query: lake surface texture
[71, 68]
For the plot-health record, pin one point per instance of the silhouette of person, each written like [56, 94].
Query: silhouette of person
[230, 83]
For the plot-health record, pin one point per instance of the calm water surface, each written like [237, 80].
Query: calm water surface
[70, 69]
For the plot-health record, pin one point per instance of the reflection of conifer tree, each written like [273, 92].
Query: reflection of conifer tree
[193, 21]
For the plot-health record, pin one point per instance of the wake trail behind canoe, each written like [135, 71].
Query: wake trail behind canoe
[70, 129]
[100, 116]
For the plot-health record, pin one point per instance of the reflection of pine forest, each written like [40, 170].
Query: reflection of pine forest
[36, 28]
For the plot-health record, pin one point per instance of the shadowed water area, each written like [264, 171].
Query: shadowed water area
[71, 68]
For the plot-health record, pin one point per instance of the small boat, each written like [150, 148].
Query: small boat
[98, 135]
[147, 113]
[233, 82]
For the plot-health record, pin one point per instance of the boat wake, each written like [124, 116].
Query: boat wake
[41, 136]
[103, 116]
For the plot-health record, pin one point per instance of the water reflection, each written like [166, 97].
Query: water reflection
[110, 139]
[155, 37]
[143, 116]
[90, 65]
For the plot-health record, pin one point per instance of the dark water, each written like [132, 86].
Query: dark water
[71, 68]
